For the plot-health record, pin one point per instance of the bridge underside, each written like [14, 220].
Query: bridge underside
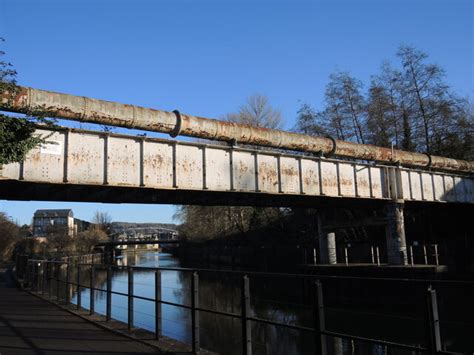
[34, 191]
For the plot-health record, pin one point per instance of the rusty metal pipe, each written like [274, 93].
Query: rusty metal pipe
[84, 109]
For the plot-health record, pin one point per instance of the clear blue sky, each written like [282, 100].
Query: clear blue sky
[206, 57]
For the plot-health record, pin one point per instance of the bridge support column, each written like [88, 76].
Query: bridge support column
[327, 247]
[395, 234]
[327, 244]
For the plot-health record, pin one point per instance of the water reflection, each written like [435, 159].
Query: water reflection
[277, 300]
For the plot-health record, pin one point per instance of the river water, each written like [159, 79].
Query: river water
[280, 300]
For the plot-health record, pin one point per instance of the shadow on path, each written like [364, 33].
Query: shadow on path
[29, 325]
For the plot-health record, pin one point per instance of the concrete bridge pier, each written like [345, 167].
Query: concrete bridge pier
[327, 245]
[395, 234]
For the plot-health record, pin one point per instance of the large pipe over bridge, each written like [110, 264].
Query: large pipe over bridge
[84, 109]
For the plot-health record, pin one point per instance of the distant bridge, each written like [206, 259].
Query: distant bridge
[136, 242]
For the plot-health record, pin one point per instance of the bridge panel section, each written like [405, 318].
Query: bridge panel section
[86, 158]
[363, 181]
[268, 173]
[123, 161]
[46, 162]
[311, 178]
[217, 169]
[157, 164]
[189, 167]
[244, 171]
[290, 175]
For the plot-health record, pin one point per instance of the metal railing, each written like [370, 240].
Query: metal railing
[424, 254]
[41, 275]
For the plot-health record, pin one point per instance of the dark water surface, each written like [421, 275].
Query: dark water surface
[348, 309]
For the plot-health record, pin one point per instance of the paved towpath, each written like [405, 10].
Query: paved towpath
[29, 325]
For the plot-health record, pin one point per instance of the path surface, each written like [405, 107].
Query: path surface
[29, 325]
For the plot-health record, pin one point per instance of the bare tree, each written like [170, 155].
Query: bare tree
[381, 127]
[102, 221]
[258, 112]
[9, 236]
[344, 114]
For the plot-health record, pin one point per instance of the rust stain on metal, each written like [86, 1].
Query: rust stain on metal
[129, 116]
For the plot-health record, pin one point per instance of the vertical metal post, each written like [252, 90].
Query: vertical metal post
[157, 304]
[315, 257]
[45, 277]
[58, 280]
[194, 312]
[425, 254]
[411, 256]
[92, 291]
[436, 254]
[434, 335]
[108, 313]
[67, 286]
[37, 276]
[130, 298]
[245, 312]
[50, 280]
[78, 286]
[319, 320]
[346, 256]
[378, 255]
[372, 254]
[27, 274]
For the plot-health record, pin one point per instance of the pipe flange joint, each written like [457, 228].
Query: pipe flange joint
[430, 160]
[334, 146]
[177, 129]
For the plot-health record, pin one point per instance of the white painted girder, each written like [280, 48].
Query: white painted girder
[97, 158]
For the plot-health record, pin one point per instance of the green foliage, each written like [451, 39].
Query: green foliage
[16, 138]
[17, 135]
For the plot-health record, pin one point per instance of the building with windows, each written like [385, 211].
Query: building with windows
[50, 221]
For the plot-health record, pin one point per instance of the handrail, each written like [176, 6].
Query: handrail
[272, 274]
[34, 276]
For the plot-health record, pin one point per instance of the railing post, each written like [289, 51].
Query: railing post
[372, 254]
[315, 260]
[45, 277]
[130, 298]
[436, 254]
[319, 320]
[67, 286]
[194, 312]
[50, 280]
[346, 256]
[425, 254]
[434, 335]
[378, 255]
[28, 273]
[38, 278]
[411, 256]
[245, 312]
[108, 313]
[58, 277]
[157, 304]
[78, 285]
[92, 290]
